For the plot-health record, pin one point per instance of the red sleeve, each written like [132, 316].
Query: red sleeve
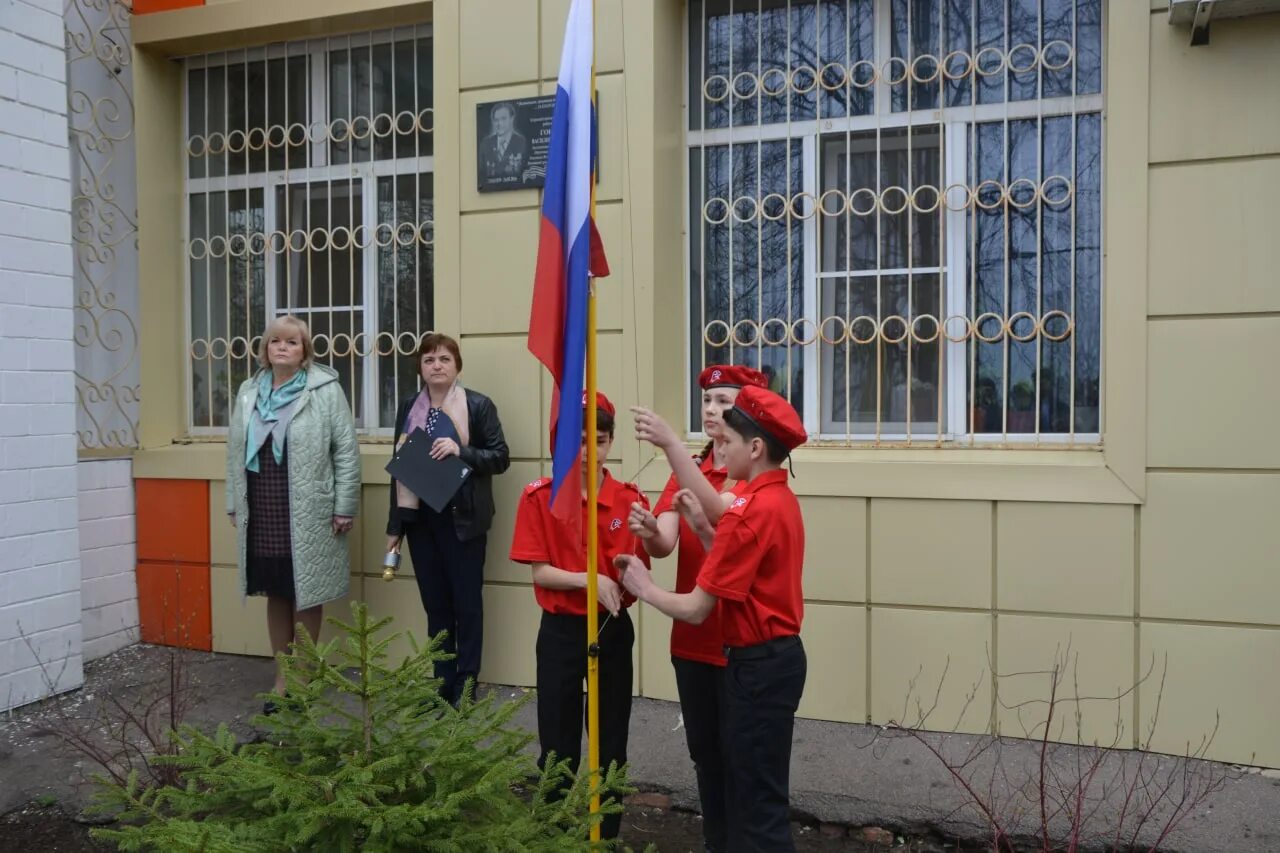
[730, 569]
[667, 498]
[529, 544]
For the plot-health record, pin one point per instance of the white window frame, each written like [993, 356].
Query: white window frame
[363, 174]
[955, 124]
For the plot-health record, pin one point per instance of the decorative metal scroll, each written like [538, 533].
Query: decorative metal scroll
[104, 222]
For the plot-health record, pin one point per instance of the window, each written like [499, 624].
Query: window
[895, 213]
[309, 192]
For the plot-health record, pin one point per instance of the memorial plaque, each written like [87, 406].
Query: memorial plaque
[512, 141]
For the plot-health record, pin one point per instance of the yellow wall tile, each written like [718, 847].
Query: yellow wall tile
[610, 112]
[608, 35]
[1209, 547]
[653, 644]
[511, 618]
[507, 490]
[1065, 558]
[835, 548]
[931, 552]
[1208, 405]
[499, 252]
[612, 291]
[398, 599]
[341, 609]
[222, 536]
[498, 42]
[945, 654]
[502, 368]
[615, 374]
[1211, 101]
[467, 176]
[373, 536]
[1227, 671]
[835, 643]
[239, 623]
[1094, 659]
[1233, 248]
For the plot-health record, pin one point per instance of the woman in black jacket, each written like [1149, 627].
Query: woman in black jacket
[448, 547]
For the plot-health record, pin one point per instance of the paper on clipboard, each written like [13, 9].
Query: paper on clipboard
[434, 481]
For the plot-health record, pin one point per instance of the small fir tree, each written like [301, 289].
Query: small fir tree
[361, 757]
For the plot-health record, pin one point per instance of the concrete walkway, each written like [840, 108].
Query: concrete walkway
[840, 773]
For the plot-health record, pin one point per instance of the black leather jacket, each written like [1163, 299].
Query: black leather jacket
[487, 455]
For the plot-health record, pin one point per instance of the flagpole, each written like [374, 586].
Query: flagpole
[593, 486]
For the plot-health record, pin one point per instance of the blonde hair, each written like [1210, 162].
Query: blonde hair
[281, 322]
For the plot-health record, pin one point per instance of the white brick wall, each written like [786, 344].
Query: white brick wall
[41, 634]
[108, 556]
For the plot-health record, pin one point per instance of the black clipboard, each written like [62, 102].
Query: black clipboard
[435, 482]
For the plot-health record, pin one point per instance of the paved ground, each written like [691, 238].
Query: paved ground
[840, 773]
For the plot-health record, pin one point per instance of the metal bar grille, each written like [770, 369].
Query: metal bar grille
[309, 188]
[895, 213]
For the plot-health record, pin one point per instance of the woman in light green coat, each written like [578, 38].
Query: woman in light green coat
[293, 484]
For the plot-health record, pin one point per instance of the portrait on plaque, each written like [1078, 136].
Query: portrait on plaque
[513, 138]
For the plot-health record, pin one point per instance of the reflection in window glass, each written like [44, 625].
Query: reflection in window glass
[279, 221]
[913, 236]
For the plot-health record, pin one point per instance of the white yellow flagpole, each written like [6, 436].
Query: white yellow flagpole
[593, 486]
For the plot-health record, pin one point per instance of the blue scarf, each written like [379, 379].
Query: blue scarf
[266, 415]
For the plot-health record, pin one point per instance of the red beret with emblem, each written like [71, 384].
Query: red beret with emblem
[731, 376]
[772, 414]
[602, 403]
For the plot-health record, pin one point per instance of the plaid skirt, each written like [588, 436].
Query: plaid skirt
[269, 567]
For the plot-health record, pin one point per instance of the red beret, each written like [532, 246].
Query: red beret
[602, 403]
[732, 376]
[772, 414]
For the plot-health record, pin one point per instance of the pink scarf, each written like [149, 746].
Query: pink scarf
[423, 416]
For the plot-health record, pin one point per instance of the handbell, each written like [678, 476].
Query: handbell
[390, 563]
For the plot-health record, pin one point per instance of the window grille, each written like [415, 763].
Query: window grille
[309, 192]
[895, 213]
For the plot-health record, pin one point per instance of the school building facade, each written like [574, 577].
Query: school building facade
[1011, 262]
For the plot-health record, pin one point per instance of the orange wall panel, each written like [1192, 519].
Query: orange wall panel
[173, 520]
[174, 605]
[145, 7]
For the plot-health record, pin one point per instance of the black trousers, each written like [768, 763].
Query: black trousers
[701, 689]
[562, 673]
[450, 575]
[762, 688]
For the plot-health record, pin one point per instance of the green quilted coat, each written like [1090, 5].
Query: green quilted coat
[324, 481]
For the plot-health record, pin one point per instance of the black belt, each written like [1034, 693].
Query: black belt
[767, 649]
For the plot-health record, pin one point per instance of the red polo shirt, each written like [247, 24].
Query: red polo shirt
[703, 642]
[755, 563]
[541, 538]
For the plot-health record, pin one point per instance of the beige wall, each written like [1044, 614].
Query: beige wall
[920, 562]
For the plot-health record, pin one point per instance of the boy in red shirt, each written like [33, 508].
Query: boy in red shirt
[559, 564]
[697, 651]
[752, 576]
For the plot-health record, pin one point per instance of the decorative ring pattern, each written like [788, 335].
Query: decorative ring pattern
[339, 130]
[1055, 192]
[339, 239]
[863, 330]
[338, 345]
[1056, 55]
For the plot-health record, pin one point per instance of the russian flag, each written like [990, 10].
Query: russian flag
[569, 251]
